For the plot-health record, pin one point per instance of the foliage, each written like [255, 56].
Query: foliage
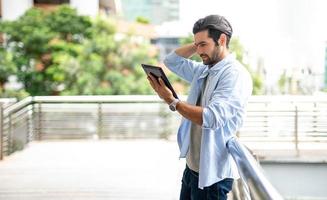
[68, 24]
[106, 65]
[10, 93]
[282, 82]
[30, 40]
[7, 66]
[62, 53]
[142, 20]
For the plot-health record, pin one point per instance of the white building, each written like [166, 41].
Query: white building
[12, 9]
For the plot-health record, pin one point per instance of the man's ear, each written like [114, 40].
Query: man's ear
[222, 40]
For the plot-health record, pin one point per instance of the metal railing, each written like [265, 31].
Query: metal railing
[60, 117]
[102, 117]
[15, 126]
[253, 183]
[4, 103]
[292, 122]
[7, 101]
[295, 121]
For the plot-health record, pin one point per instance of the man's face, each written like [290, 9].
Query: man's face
[206, 48]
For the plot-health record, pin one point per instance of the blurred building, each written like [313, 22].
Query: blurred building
[168, 36]
[12, 9]
[156, 11]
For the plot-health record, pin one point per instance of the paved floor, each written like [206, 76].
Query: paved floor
[107, 169]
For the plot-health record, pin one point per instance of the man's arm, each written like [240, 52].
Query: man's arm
[186, 51]
[178, 62]
[191, 112]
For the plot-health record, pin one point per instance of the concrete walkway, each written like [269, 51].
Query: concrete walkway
[106, 169]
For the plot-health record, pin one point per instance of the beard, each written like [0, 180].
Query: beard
[212, 59]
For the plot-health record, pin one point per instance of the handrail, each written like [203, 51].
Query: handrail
[154, 98]
[81, 99]
[251, 172]
[17, 106]
[288, 98]
[7, 101]
[98, 99]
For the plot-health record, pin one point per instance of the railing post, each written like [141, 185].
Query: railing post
[39, 120]
[296, 133]
[29, 123]
[99, 121]
[10, 135]
[33, 123]
[315, 118]
[1, 132]
[266, 120]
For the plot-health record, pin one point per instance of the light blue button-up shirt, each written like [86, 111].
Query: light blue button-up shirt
[228, 89]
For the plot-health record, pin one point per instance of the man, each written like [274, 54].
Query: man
[214, 111]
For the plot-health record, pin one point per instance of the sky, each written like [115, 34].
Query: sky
[285, 33]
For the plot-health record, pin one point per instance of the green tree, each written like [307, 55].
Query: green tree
[31, 40]
[107, 65]
[62, 53]
[7, 69]
[7, 66]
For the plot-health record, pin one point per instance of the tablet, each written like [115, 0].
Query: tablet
[158, 72]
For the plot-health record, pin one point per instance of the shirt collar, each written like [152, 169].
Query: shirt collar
[217, 66]
[221, 63]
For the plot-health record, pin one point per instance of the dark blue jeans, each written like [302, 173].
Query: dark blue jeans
[190, 190]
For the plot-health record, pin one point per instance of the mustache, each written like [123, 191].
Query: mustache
[201, 55]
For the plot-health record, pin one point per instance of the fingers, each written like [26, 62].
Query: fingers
[157, 84]
[159, 87]
[161, 82]
[154, 80]
[151, 82]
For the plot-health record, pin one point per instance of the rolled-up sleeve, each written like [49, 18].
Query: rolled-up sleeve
[185, 68]
[226, 103]
[217, 114]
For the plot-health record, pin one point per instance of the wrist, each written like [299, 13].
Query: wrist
[169, 100]
[193, 49]
[173, 104]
